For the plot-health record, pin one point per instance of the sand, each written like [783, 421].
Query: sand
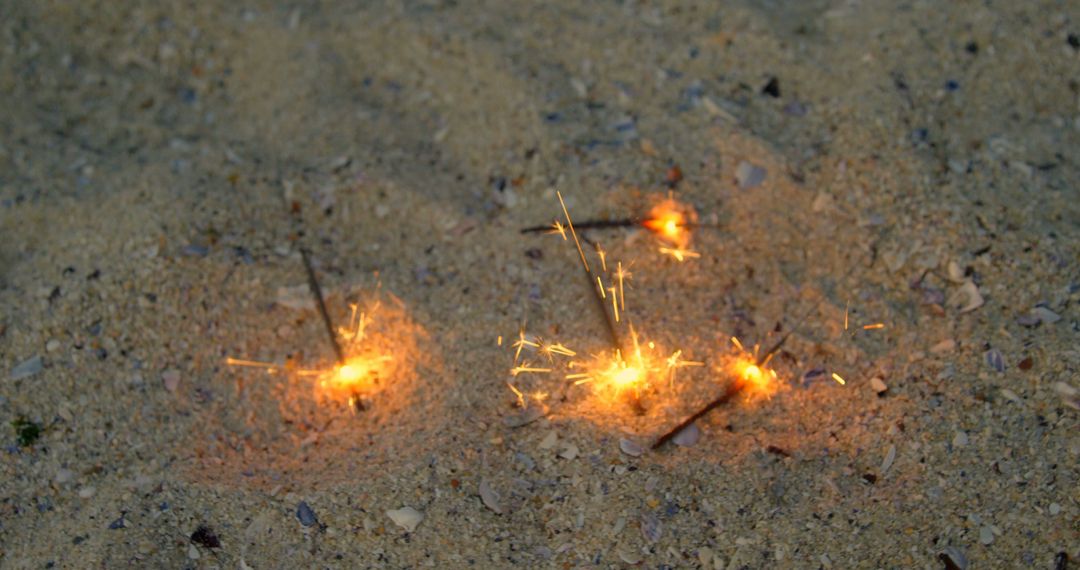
[910, 164]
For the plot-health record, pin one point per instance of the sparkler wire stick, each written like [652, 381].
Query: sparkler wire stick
[733, 390]
[596, 292]
[316, 291]
[607, 224]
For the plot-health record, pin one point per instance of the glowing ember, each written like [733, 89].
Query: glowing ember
[371, 357]
[670, 221]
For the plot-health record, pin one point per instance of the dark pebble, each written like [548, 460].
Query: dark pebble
[951, 85]
[204, 536]
[772, 88]
[534, 253]
[1074, 41]
[305, 515]
[1025, 364]
[118, 523]
[972, 48]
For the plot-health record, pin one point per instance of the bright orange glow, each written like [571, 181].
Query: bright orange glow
[670, 221]
[375, 352]
[625, 377]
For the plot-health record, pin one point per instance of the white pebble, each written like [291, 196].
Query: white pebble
[87, 492]
[986, 535]
[960, 439]
[631, 447]
[687, 437]
[407, 518]
[490, 497]
[570, 451]
[1055, 509]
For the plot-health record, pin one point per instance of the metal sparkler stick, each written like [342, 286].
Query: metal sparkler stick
[316, 291]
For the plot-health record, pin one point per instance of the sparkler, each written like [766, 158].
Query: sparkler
[669, 220]
[626, 370]
[359, 364]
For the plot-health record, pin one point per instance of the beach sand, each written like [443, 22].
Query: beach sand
[908, 164]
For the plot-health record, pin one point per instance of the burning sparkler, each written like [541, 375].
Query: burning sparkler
[669, 220]
[627, 370]
[363, 360]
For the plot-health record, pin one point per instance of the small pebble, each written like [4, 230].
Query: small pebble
[944, 346]
[526, 416]
[570, 451]
[305, 515]
[27, 368]
[890, 457]
[117, 524]
[953, 558]
[960, 439]
[986, 535]
[490, 497]
[87, 492]
[995, 360]
[549, 440]
[969, 294]
[687, 437]
[749, 175]
[171, 379]
[407, 518]
[650, 527]
[878, 385]
[64, 476]
[52, 346]
[631, 447]
[1045, 315]
[1055, 509]
[192, 552]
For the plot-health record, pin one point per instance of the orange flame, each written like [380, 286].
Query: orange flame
[670, 221]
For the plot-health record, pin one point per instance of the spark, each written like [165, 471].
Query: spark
[520, 396]
[622, 275]
[679, 253]
[524, 367]
[847, 308]
[614, 303]
[269, 367]
[838, 378]
[498, 341]
[558, 228]
[557, 348]
[874, 326]
[603, 257]
[521, 343]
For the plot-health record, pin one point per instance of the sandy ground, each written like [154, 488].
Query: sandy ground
[161, 165]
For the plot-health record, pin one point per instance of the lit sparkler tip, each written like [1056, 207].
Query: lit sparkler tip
[874, 326]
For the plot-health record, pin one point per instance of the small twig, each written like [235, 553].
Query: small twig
[316, 291]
